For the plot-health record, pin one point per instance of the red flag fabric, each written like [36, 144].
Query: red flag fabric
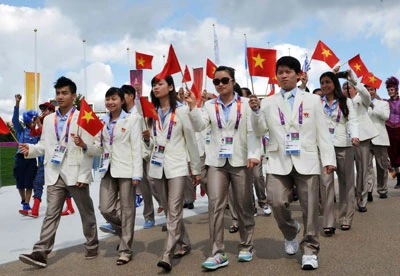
[272, 90]
[149, 111]
[358, 66]
[171, 66]
[371, 80]
[88, 120]
[324, 53]
[3, 127]
[261, 62]
[197, 94]
[143, 61]
[198, 78]
[186, 75]
[210, 69]
[273, 80]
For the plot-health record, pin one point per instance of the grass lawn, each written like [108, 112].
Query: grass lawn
[6, 165]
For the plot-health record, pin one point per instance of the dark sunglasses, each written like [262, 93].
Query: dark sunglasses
[223, 81]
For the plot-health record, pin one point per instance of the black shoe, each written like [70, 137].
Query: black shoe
[362, 209]
[164, 228]
[34, 259]
[329, 231]
[165, 265]
[383, 196]
[185, 205]
[190, 205]
[370, 197]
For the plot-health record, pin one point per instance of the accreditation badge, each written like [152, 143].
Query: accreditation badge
[105, 161]
[225, 147]
[292, 143]
[58, 154]
[158, 155]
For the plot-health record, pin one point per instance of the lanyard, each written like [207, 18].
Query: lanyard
[112, 134]
[68, 124]
[171, 124]
[238, 114]
[282, 117]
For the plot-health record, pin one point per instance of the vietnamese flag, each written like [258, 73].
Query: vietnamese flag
[262, 62]
[88, 120]
[210, 69]
[149, 111]
[358, 66]
[171, 66]
[324, 53]
[273, 80]
[370, 80]
[186, 75]
[3, 127]
[143, 61]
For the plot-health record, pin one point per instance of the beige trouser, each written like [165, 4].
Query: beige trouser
[382, 164]
[279, 190]
[362, 158]
[188, 192]
[219, 181]
[170, 192]
[204, 169]
[55, 201]
[259, 185]
[147, 194]
[122, 219]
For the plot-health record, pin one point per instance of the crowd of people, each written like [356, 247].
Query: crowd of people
[220, 143]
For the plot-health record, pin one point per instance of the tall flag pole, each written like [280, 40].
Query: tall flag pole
[216, 47]
[245, 60]
[84, 68]
[128, 64]
[35, 98]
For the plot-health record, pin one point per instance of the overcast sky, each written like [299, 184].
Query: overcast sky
[349, 27]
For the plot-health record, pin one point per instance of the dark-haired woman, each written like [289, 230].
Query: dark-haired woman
[173, 145]
[121, 170]
[343, 126]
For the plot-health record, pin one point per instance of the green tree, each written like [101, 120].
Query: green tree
[78, 100]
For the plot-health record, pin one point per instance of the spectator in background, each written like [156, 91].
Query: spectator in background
[24, 169]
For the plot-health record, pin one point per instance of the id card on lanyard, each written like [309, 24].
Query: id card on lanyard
[226, 142]
[332, 129]
[59, 151]
[292, 139]
[106, 157]
[158, 153]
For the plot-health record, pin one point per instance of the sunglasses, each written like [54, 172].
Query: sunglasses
[223, 81]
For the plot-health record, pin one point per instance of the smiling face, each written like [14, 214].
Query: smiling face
[287, 77]
[392, 92]
[327, 86]
[114, 103]
[64, 97]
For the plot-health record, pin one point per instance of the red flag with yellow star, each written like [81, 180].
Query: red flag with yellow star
[262, 62]
[370, 80]
[325, 54]
[88, 120]
[210, 68]
[143, 61]
[149, 111]
[358, 66]
[171, 66]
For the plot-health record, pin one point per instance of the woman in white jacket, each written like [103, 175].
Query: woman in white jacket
[121, 170]
[343, 127]
[173, 146]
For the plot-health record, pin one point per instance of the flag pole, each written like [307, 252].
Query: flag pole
[252, 85]
[129, 66]
[84, 66]
[245, 59]
[35, 100]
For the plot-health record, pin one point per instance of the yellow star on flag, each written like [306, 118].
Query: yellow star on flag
[141, 61]
[357, 66]
[372, 79]
[259, 61]
[88, 116]
[326, 53]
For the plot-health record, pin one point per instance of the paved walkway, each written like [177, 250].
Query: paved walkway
[371, 247]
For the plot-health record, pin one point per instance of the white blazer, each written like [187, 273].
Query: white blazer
[77, 164]
[314, 134]
[246, 144]
[179, 150]
[126, 149]
[379, 114]
[345, 126]
[361, 102]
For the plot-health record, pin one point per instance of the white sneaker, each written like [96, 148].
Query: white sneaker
[267, 211]
[291, 247]
[309, 262]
